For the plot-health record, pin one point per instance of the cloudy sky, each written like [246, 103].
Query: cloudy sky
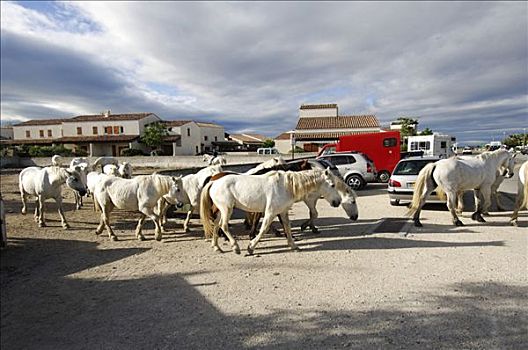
[459, 67]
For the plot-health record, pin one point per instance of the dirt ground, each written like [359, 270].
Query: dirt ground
[355, 285]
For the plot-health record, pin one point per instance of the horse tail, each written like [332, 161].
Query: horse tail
[440, 193]
[206, 211]
[525, 199]
[425, 174]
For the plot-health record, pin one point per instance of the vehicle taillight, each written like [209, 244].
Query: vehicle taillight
[369, 168]
[394, 183]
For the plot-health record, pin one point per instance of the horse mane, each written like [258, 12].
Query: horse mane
[162, 183]
[342, 187]
[301, 183]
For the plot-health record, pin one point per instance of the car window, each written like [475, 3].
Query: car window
[411, 167]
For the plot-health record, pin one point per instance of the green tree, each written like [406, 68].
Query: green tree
[154, 135]
[268, 143]
[426, 131]
[408, 128]
[514, 140]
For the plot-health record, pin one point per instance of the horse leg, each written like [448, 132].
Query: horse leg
[41, 221]
[477, 215]
[266, 222]
[452, 198]
[65, 224]
[429, 188]
[23, 197]
[163, 206]
[156, 219]
[214, 239]
[460, 203]
[101, 225]
[224, 225]
[139, 226]
[311, 204]
[254, 219]
[106, 220]
[287, 228]
[518, 201]
[37, 213]
[187, 219]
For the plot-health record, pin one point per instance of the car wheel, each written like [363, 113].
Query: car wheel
[384, 176]
[395, 202]
[356, 182]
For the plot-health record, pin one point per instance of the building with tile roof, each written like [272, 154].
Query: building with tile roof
[108, 134]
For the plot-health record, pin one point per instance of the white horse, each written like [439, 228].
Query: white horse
[80, 165]
[138, 194]
[102, 161]
[272, 193]
[266, 165]
[214, 160]
[56, 160]
[111, 169]
[494, 197]
[455, 175]
[125, 170]
[44, 183]
[191, 189]
[522, 193]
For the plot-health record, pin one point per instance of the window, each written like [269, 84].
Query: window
[108, 130]
[41, 133]
[28, 133]
[205, 138]
[50, 133]
[94, 130]
[390, 142]
[116, 130]
[420, 146]
[216, 138]
[443, 144]
[196, 146]
[189, 134]
[79, 130]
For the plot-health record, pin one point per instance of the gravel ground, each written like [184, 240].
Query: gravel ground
[355, 285]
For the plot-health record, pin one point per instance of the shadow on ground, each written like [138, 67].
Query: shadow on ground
[45, 308]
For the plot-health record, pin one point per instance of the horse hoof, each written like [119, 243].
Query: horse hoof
[236, 250]
[97, 232]
[303, 227]
[113, 238]
[315, 231]
[249, 250]
[418, 224]
[296, 249]
[23, 212]
[513, 223]
[459, 223]
[42, 224]
[66, 226]
[141, 238]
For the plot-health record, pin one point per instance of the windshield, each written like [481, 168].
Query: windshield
[411, 167]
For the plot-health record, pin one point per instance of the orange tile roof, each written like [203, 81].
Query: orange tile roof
[341, 122]
[97, 139]
[111, 117]
[321, 106]
[41, 122]
[176, 122]
[326, 135]
[283, 136]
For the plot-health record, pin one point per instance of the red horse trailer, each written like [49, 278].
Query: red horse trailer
[383, 148]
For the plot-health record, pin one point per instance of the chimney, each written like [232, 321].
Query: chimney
[106, 113]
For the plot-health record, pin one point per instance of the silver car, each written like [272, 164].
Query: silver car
[355, 168]
[401, 182]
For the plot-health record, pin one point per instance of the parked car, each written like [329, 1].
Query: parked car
[267, 151]
[401, 182]
[355, 168]
[467, 151]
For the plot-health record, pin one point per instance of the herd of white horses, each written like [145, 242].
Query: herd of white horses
[269, 189]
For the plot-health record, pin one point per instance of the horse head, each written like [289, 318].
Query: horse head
[508, 165]
[75, 182]
[348, 199]
[328, 188]
[125, 170]
[176, 195]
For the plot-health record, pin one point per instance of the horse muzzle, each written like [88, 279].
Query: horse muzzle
[354, 217]
[82, 193]
[335, 204]
[179, 205]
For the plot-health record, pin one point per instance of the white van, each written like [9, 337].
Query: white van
[267, 151]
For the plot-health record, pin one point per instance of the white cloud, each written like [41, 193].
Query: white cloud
[250, 65]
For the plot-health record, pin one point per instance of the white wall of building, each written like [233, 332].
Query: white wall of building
[318, 112]
[19, 132]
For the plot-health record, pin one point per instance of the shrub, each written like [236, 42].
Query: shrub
[79, 152]
[130, 152]
[49, 151]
